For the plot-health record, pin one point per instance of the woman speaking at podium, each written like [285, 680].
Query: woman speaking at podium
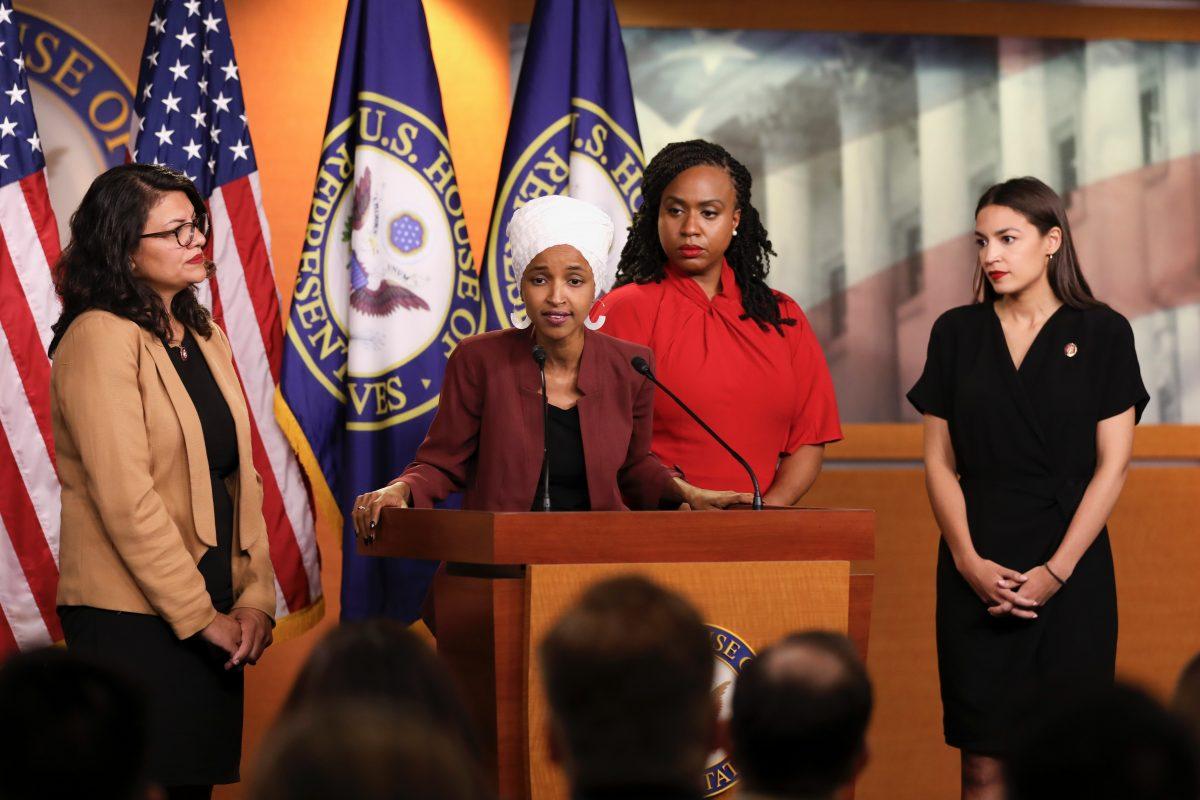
[488, 434]
[692, 287]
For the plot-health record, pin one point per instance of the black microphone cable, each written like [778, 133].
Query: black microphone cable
[641, 365]
[539, 355]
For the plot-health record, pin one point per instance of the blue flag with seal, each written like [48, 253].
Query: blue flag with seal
[386, 289]
[573, 131]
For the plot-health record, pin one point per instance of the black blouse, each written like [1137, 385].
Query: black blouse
[568, 472]
[220, 445]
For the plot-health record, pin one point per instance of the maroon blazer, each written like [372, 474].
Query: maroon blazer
[486, 438]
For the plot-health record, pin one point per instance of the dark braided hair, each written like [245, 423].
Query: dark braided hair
[643, 259]
[95, 269]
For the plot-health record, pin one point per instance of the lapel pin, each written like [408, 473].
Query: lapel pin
[1070, 350]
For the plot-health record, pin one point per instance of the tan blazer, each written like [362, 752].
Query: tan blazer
[137, 506]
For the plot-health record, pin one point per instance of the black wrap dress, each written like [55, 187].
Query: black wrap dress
[1025, 448]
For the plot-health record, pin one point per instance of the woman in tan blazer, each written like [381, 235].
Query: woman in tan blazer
[165, 571]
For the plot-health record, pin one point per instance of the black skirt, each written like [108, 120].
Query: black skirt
[194, 704]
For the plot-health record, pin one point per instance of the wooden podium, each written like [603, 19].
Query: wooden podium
[509, 575]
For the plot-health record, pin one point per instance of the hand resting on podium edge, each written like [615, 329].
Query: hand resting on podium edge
[368, 506]
[693, 498]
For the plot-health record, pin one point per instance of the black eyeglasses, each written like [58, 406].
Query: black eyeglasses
[185, 234]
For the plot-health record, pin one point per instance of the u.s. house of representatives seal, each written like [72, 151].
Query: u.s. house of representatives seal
[387, 285]
[83, 104]
[731, 654]
[585, 154]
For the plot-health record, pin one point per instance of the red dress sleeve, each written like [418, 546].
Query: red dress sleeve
[623, 313]
[815, 419]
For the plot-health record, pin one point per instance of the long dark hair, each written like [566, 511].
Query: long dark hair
[95, 268]
[1044, 209]
[749, 254]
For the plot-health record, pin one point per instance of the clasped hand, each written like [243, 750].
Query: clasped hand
[244, 633]
[1006, 591]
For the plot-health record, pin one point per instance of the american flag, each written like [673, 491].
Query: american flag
[189, 115]
[29, 504]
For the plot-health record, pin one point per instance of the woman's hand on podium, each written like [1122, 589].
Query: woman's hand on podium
[367, 507]
[697, 499]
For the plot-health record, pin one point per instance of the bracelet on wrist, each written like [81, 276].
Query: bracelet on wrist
[1046, 566]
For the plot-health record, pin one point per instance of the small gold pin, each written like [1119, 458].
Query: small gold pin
[1070, 350]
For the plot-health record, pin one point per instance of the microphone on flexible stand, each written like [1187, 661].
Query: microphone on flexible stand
[640, 364]
[539, 355]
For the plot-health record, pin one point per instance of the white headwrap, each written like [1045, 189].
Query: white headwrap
[557, 219]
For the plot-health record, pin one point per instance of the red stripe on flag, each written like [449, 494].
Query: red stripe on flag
[37, 197]
[26, 345]
[285, 552]
[28, 539]
[256, 263]
[8, 642]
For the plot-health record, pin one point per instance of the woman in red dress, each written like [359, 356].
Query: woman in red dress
[691, 285]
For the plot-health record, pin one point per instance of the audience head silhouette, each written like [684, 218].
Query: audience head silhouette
[1112, 743]
[628, 672]
[1186, 701]
[382, 662]
[362, 750]
[69, 729]
[800, 713]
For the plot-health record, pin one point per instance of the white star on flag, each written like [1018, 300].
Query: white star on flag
[230, 71]
[200, 117]
[193, 7]
[239, 150]
[222, 102]
[164, 135]
[211, 23]
[34, 142]
[206, 55]
[5, 14]
[153, 58]
[158, 24]
[179, 70]
[185, 39]
[3, 162]
[16, 94]
[192, 149]
[7, 128]
[203, 84]
[215, 133]
[20, 62]
[171, 102]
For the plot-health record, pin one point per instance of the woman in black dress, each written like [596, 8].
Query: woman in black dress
[1030, 397]
[165, 572]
